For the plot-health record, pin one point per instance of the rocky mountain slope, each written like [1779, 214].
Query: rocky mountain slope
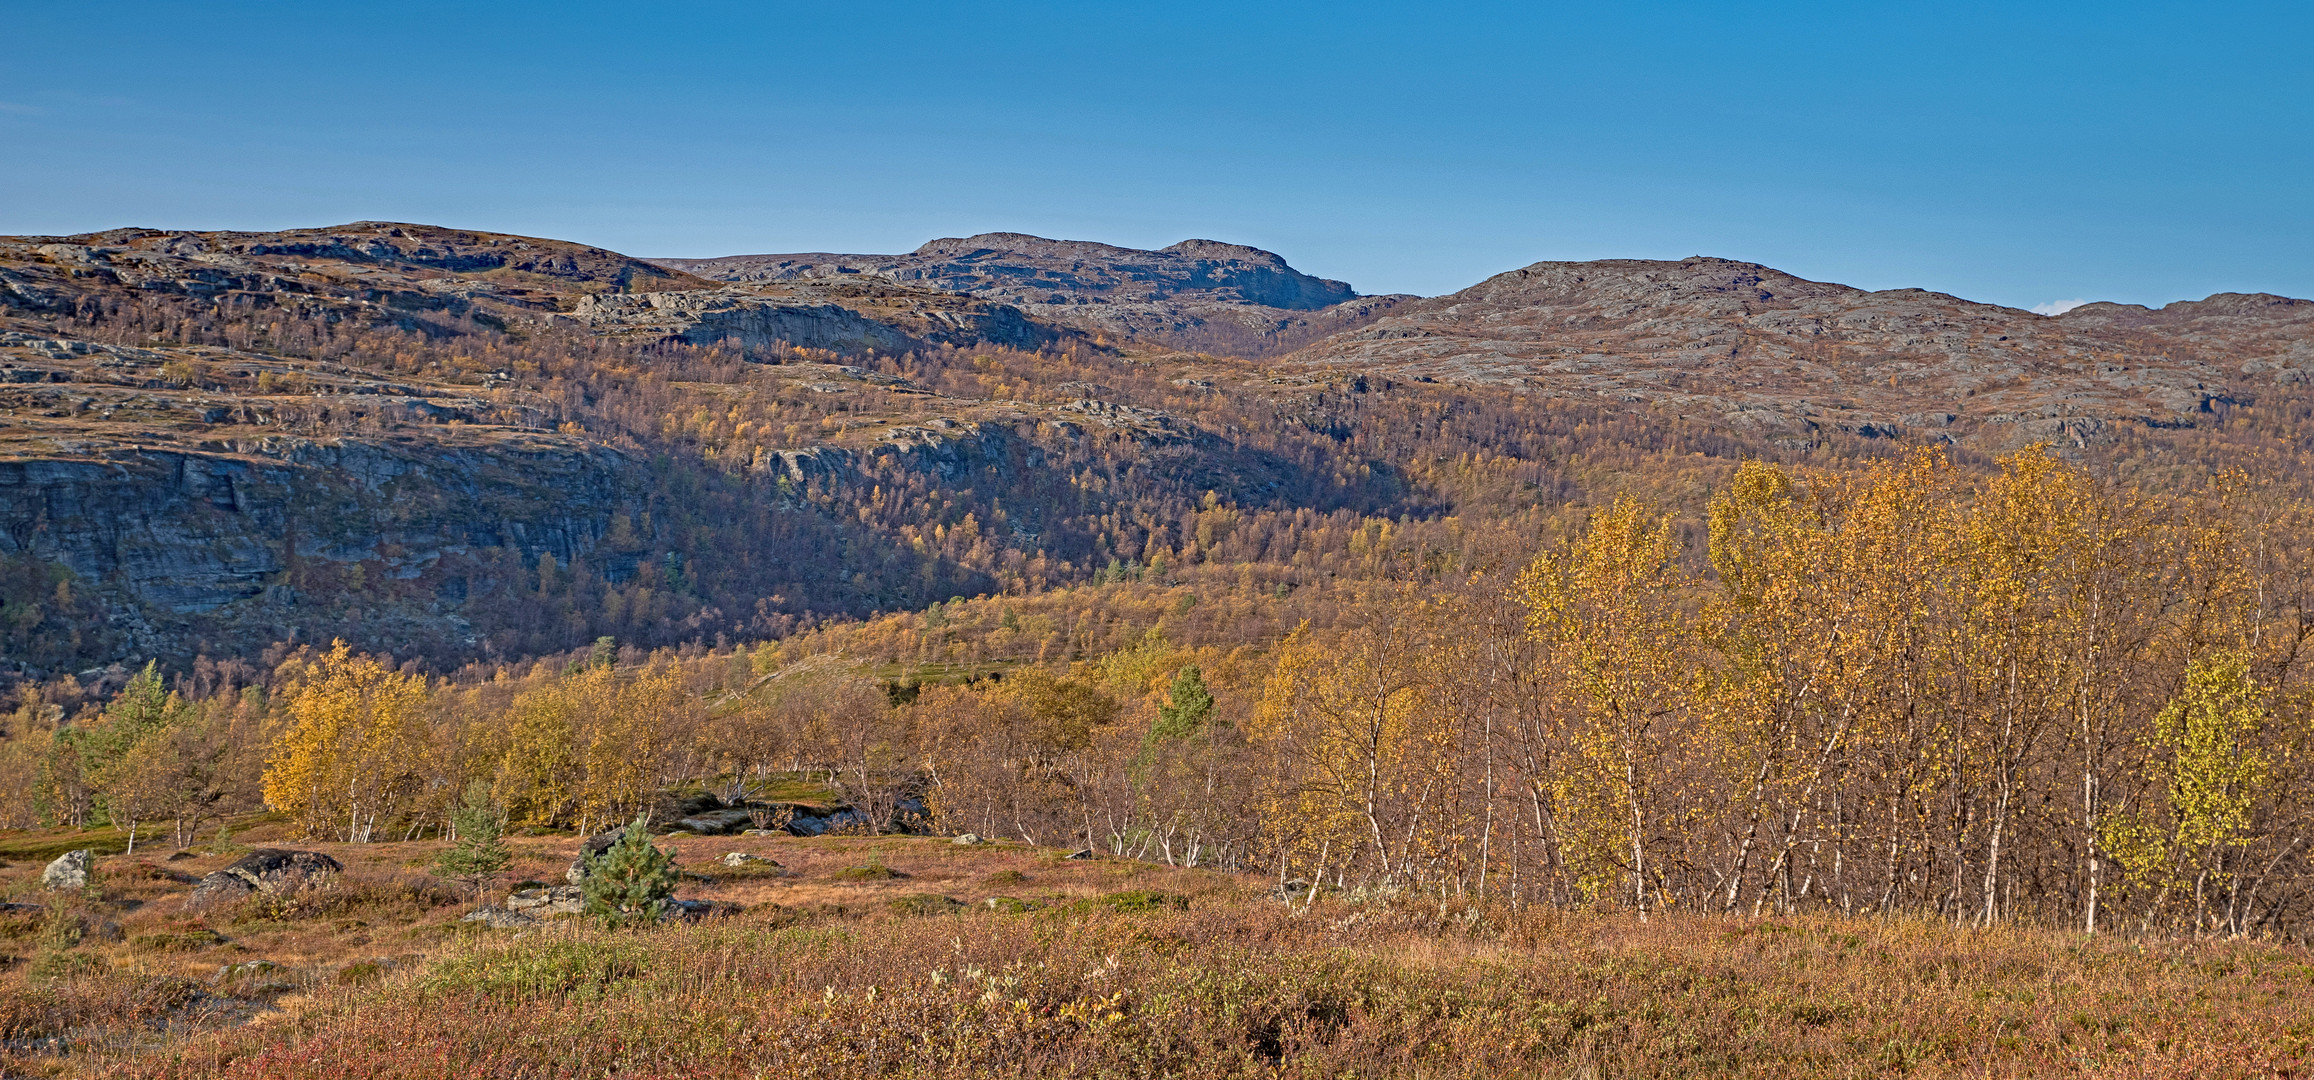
[1198, 294]
[454, 444]
[492, 278]
[1766, 351]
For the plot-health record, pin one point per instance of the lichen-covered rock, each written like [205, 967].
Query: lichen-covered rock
[498, 918]
[69, 871]
[695, 910]
[713, 823]
[592, 848]
[548, 902]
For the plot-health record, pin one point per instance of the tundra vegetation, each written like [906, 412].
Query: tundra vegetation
[1903, 765]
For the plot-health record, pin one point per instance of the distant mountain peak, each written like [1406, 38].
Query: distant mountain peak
[1197, 294]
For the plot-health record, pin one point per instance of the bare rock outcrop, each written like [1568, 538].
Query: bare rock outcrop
[1759, 348]
[1197, 294]
[269, 870]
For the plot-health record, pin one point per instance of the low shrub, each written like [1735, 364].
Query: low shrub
[373, 896]
[1132, 900]
[873, 870]
[187, 940]
[926, 904]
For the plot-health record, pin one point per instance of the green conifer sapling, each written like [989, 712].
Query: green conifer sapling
[480, 852]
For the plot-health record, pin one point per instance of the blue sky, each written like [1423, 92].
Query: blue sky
[2015, 153]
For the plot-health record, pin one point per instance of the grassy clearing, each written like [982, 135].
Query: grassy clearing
[1237, 990]
[1100, 968]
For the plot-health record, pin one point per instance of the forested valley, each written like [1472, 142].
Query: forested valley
[1907, 686]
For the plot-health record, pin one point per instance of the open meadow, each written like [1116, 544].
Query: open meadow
[916, 956]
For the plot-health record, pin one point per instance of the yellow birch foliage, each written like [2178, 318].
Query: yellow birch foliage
[586, 748]
[1364, 755]
[352, 749]
[1605, 611]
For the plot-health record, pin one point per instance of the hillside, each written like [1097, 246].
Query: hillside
[1761, 350]
[453, 444]
[456, 445]
[1200, 295]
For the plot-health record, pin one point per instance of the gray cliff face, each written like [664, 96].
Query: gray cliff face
[705, 318]
[756, 321]
[248, 546]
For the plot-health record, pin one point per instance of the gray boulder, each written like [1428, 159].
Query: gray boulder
[966, 839]
[69, 871]
[713, 822]
[498, 918]
[548, 902]
[262, 870]
[695, 910]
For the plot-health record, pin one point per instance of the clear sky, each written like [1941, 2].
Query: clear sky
[2015, 153]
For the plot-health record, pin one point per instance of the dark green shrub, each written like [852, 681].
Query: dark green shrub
[1132, 900]
[178, 941]
[926, 904]
[875, 870]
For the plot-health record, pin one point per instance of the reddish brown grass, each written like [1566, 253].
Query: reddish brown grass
[828, 978]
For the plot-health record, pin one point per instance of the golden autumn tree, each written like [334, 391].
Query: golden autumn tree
[586, 748]
[1605, 609]
[350, 752]
[1359, 761]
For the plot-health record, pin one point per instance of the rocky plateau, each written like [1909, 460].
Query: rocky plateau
[1200, 295]
[1764, 350]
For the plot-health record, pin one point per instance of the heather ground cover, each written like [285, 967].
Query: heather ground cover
[1002, 960]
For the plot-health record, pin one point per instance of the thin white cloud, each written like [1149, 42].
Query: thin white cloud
[2057, 307]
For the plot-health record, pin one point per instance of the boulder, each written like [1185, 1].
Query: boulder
[548, 902]
[1084, 853]
[966, 838]
[262, 870]
[713, 823]
[695, 910]
[219, 886]
[69, 871]
[741, 858]
[498, 918]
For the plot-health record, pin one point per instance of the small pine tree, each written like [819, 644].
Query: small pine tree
[1188, 704]
[480, 852]
[632, 881]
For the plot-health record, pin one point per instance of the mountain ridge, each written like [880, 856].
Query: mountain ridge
[1203, 295]
[1762, 348]
[447, 442]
